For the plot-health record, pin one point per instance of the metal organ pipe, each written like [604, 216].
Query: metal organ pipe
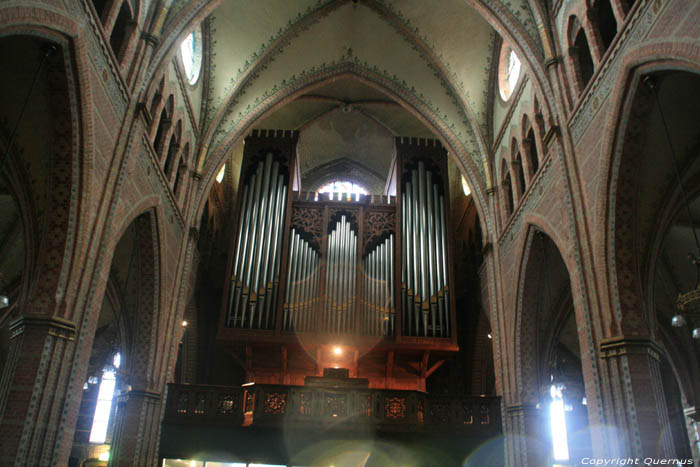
[256, 265]
[251, 263]
[404, 280]
[242, 228]
[302, 284]
[425, 301]
[341, 275]
[377, 300]
[260, 286]
[273, 279]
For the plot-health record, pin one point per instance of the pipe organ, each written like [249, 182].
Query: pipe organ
[310, 270]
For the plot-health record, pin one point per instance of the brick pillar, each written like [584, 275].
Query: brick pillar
[136, 429]
[527, 440]
[33, 392]
[637, 409]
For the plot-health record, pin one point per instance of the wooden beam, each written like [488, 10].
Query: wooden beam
[424, 364]
[248, 362]
[432, 369]
[319, 369]
[238, 359]
[355, 363]
[389, 369]
[284, 376]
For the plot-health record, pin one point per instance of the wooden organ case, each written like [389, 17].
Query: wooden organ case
[362, 283]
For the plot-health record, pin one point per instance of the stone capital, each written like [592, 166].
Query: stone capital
[53, 326]
[620, 345]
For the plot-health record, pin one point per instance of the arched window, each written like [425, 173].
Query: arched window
[163, 124]
[580, 54]
[220, 175]
[103, 409]
[120, 32]
[157, 96]
[518, 162]
[173, 148]
[530, 147]
[508, 199]
[508, 71]
[605, 21]
[343, 187]
[100, 7]
[465, 187]
[627, 5]
[183, 164]
[191, 55]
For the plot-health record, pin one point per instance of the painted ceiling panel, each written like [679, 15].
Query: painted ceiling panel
[356, 35]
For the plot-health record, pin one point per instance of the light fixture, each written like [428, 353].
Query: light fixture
[678, 321]
[184, 323]
[4, 301]
[337, 350]
[688, 303]
[104, 456]
[489, 336]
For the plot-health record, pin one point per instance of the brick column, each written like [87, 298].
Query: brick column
[33, 392]
[136, 428]
[637, 408]
[527, 440]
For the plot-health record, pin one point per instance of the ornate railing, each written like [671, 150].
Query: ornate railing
[332, 408]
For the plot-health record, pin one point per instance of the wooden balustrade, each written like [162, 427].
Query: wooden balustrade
[323, 408]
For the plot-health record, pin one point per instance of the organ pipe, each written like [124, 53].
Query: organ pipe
[341, 275]
[425, 299]
[377, 300]
[302, 285]
[256, 261]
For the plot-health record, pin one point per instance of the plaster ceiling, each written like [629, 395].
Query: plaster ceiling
[435, 55]
[346, 129]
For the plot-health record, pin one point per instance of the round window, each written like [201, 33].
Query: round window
[191, 55]
[508, 71]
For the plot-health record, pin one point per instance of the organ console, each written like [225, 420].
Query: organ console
[311, 271]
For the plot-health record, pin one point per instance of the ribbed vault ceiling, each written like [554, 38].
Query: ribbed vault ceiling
[435, 56]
